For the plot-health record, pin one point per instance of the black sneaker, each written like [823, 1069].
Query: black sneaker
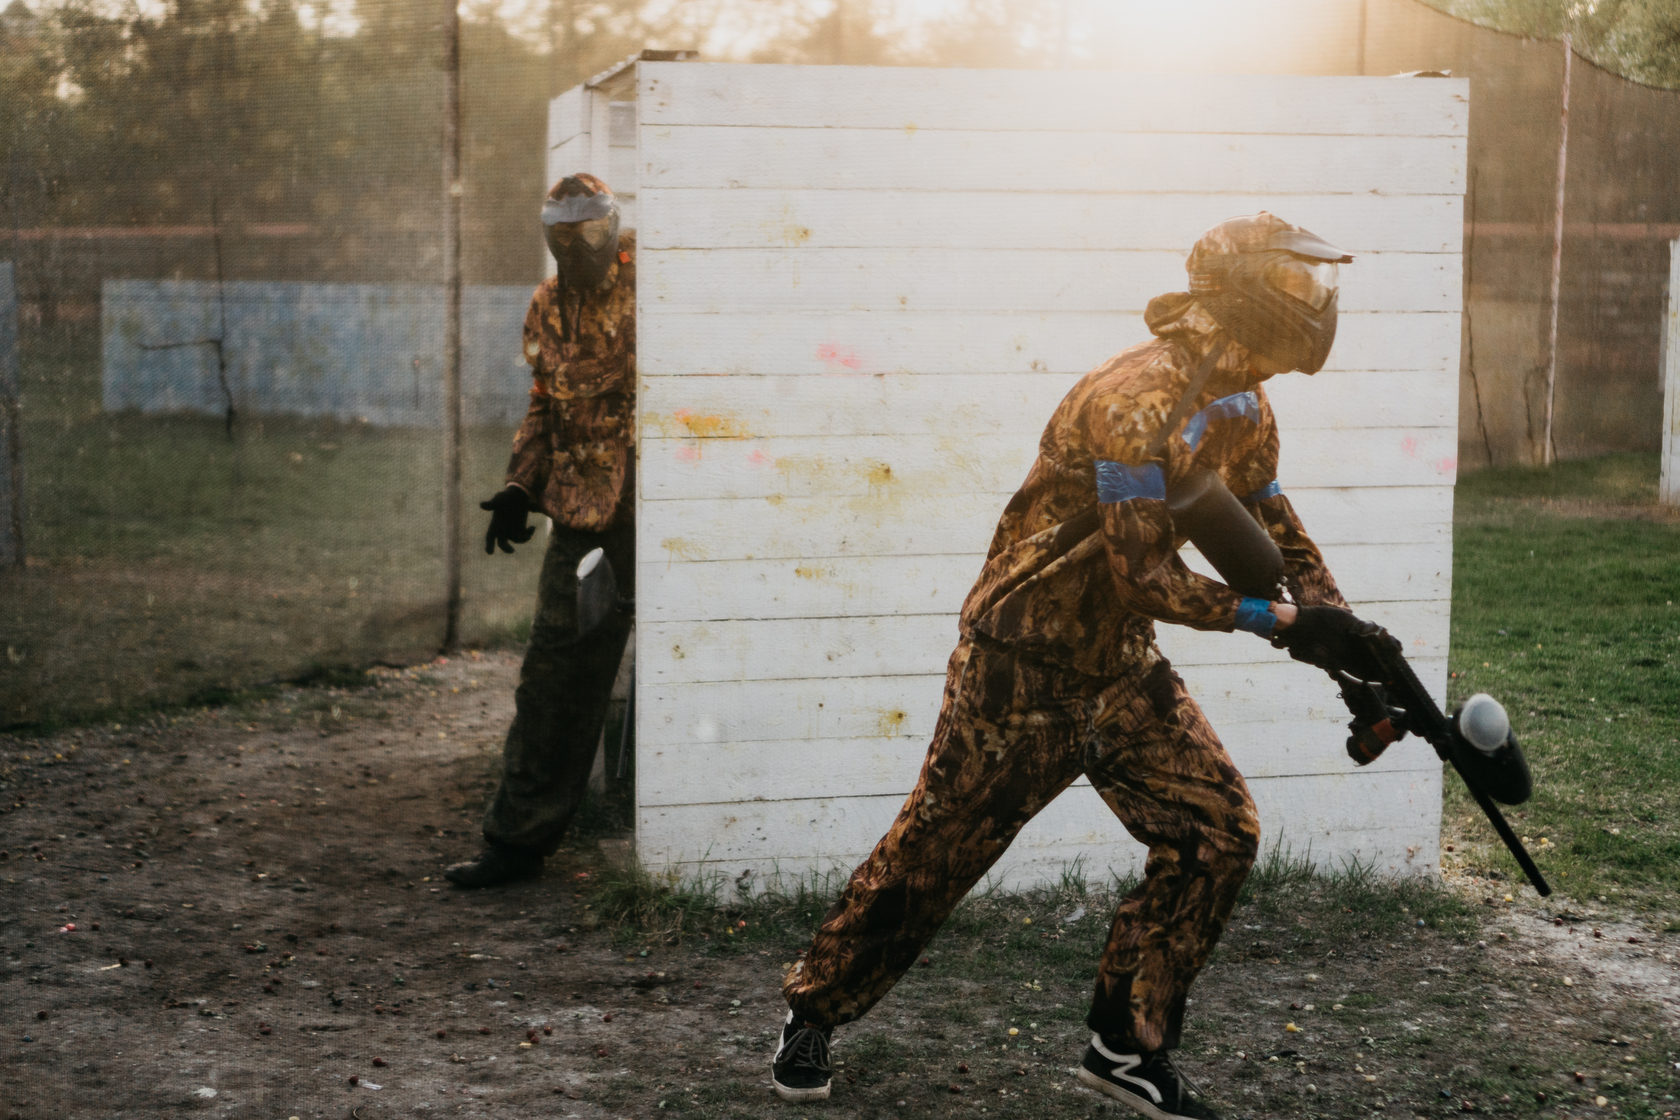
[499, 864]
[800, 1070]
[1146, 1081]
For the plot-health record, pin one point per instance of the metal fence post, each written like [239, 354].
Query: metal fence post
[1548, 452]
[1670, 493]
[452, 189]
[11, 452]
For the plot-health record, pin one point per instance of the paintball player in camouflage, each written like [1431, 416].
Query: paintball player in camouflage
[574, 460]
[1056, 673]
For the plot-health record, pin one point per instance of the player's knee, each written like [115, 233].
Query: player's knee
[1242, 837]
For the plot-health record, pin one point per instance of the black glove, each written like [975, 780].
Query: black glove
[508, 511]
[1330, 637]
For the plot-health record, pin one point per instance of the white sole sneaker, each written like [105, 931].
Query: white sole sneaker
[820, 1093]
[1109, 1089]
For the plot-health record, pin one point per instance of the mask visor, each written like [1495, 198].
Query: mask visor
[1309, 283]
[592, 232]
[576, 208]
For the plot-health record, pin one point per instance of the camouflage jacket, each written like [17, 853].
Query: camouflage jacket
[1085, 557]
[575, 452]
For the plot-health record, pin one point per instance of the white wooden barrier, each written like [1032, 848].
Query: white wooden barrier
[862, 293]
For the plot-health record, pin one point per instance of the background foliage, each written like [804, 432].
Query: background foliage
[1638, 39]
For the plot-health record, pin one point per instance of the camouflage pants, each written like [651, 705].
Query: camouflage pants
[1012, 734]
[560, 705]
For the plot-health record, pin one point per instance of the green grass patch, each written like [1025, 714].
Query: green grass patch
[1564, 608]
[173, 560]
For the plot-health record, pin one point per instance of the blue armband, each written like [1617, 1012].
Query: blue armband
[1255, 616]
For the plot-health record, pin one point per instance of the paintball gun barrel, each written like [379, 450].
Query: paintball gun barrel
[1476, 739]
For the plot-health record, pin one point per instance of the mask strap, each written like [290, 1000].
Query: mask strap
[1198, 380]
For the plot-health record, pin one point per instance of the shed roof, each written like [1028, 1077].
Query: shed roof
[617, 79]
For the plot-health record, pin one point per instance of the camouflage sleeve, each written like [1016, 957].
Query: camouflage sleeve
[528, 465]
[1304, 573]
[1149, 576]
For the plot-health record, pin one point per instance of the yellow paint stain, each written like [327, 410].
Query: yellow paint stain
[794, 465]
[808, 571]
[680, 549]
[709, 426]
[789, 230]
[883, 499]
[910, 129]
[890, 725]
[775, 500]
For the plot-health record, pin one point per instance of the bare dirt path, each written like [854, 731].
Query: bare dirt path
[237, 912]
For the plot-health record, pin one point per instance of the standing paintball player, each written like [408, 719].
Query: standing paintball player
[1056, 673]
[574, 460]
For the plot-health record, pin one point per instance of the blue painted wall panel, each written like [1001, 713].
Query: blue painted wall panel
[368, 352]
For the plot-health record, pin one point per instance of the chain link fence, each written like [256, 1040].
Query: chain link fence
[222, 293]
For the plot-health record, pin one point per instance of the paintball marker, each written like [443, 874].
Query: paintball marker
[1475, 739]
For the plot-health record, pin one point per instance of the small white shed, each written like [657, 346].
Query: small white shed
[862, 291]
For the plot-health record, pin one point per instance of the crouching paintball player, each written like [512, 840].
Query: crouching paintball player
[1056, 672]
[574, 460]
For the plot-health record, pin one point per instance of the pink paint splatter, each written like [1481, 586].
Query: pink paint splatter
[688, 453]
[1448, 465]
[1410, 446]
[758, 458]
[830, 354]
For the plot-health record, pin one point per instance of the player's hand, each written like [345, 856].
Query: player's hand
[1331, 638]
[508, 511]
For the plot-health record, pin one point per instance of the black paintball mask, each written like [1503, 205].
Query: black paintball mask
[1272, 286]
[580, 226]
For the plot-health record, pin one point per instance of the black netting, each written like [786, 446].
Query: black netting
[222, 278]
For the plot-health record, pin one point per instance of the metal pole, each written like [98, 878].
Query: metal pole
[1549, 451]
[1669, 493]
[452, 323]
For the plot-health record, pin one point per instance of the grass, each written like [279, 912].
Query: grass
[173, 561]
[1330, 995]
[1564, 608]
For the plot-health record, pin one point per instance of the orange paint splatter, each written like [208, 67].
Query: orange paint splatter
[709, 427]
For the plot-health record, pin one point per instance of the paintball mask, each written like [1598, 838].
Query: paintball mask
[1272, 287]
[580, 225]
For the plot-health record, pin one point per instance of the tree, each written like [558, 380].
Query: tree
[1638, 39]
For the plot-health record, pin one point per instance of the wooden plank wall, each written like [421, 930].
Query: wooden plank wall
[862, 293]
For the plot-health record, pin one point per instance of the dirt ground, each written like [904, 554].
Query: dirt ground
[237, 912]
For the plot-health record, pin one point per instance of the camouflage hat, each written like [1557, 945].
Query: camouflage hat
[1254, 233]
[578, 183]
